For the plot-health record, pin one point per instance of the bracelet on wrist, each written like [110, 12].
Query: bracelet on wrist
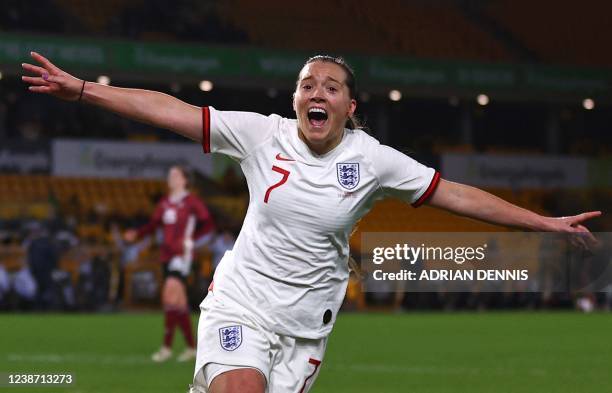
[82, 89]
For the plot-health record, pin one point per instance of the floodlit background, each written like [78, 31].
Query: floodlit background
[512, 96]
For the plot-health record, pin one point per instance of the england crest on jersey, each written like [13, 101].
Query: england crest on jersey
[231, 337]
[348, 174]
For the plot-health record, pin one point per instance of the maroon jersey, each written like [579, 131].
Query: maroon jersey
[183, 220]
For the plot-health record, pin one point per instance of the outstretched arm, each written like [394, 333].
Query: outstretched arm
[131, 235]
[475, 203]
[146, 106]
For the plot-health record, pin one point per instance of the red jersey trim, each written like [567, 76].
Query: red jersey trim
[206, 129]
[430, 190]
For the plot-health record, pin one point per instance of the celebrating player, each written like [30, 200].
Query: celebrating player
[179, 214]
[264, 324]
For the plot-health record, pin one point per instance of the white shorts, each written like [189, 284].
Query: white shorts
[180, 264]
[229, 339]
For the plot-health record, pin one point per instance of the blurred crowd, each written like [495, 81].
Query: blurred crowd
[131, 19]
[58, 270]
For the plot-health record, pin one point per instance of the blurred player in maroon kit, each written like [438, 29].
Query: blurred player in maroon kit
[183, 218]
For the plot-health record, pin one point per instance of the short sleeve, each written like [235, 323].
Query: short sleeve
[402, 176]
[235, 134]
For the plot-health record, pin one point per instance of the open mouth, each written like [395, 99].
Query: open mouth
[317, 117]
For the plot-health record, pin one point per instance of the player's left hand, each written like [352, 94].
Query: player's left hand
[582, 237]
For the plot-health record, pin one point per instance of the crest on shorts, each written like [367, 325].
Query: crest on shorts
[231, 337]
[348, 174]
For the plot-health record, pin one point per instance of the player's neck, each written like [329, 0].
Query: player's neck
[177, 195]
[324, 147]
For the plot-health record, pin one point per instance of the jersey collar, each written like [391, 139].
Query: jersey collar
[310, 156]
[178, 197]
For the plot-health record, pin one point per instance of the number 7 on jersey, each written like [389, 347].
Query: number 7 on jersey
[282, 181]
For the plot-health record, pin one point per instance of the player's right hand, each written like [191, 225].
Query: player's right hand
[51, 80]
[130, 235]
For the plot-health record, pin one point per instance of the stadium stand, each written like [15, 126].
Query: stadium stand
[559, 32]
[491, 31]
[417, 29]
[313, 30]
[95, 16]
[436, 30]
[36, 196]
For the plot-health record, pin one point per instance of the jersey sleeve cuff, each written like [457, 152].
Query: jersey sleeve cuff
[206, 129]
[430, 190]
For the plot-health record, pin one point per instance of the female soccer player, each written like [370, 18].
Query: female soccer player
[265, 322]
[183, 218]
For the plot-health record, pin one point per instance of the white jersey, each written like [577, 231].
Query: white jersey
[289, 265]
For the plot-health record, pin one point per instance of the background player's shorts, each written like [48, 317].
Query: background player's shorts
[179, 266]
[230, 336]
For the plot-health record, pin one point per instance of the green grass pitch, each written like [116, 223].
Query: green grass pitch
[377, 353]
